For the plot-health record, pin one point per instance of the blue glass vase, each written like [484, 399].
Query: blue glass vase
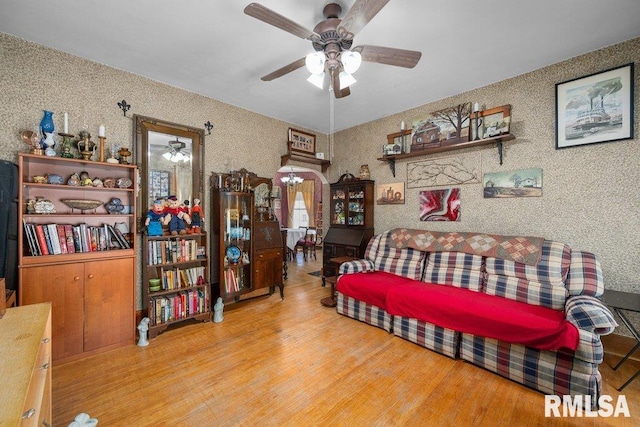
[46, 124]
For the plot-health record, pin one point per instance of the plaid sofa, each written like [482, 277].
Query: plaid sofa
[563, 279]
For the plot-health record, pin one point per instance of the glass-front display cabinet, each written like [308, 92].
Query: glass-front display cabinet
[232, 219]
[352, 202]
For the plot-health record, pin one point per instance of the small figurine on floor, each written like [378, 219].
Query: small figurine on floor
[196, 216]
[143, 328]
[155, 218]
[217, 311]
[83, 420]
[178, 219]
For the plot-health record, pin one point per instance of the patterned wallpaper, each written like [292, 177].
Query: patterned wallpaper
[589, 200]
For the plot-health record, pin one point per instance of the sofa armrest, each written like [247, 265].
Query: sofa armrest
[590, 314]
[356, 266]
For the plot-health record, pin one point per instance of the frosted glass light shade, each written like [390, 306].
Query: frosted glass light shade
[315, 62]
[346, 79]
[351, 61]
[317, 80]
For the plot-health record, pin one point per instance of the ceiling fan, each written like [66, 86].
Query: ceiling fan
[332, 39]
[176, 151]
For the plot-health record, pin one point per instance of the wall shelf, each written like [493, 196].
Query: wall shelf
[498, 140]
[286, 158]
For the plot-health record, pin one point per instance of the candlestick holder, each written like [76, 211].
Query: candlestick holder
[66, 145]
[478, 123]
[102, 139]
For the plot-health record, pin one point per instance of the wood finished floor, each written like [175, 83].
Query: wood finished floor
[295, 362]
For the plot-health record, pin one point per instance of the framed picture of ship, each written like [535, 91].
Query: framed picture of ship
[595, 108]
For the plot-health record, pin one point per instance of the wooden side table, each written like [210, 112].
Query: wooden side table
[330, 301]
[620, 302]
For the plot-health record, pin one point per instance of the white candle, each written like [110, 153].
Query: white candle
[402, 126]
[66, 122]
[476, 107]
[219, 181]
[101, 131]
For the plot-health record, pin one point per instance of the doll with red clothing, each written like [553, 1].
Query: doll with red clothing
[196, 216]
[177, 218]
[155, 218]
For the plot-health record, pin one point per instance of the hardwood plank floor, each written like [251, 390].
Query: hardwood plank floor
[295, 362]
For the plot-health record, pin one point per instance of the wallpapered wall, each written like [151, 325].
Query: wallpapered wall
[589, 200]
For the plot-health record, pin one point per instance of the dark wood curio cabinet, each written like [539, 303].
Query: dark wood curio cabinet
[351, 221]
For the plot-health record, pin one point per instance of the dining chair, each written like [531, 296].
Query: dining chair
[310, 239]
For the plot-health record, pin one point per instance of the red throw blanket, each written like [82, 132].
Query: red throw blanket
[370, 287]
[484, 315]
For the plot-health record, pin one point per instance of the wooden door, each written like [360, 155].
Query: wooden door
[108, 303]
[63, 286]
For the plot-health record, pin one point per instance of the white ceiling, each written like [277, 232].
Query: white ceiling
[212, 48]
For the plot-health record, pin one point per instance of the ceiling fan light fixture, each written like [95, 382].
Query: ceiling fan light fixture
[346, 79]
[351, 61]
[317, 80]
[315, 62]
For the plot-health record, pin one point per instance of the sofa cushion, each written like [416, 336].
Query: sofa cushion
[370, 287]
[404, 262]
[455, 268]
[481, 314]
[542, 284]
[585, 275]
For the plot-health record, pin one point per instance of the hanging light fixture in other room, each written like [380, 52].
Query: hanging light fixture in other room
[291, 179]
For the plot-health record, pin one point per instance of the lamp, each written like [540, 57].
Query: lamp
[349, 62]
[346, 79]
[291, 179]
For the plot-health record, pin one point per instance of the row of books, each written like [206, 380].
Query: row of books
[179, 278]
[55, 239]
[172, 251]
[184, 304]
[233, 283]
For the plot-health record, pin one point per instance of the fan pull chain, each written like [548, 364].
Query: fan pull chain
[331, 121]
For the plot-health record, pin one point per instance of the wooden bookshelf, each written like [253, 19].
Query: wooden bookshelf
[181, 265]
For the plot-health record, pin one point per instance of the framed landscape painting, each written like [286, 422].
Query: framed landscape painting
[595, 108]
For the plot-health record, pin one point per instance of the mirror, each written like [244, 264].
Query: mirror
[262, 197]
[169, 157]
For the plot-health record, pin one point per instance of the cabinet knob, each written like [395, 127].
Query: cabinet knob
[76, 278]
[45, 366]
[90, 276]
[46, 340]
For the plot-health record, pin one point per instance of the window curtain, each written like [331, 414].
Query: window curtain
[307, 189]
[292, 191]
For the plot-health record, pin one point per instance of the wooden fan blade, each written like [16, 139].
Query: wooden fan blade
[358, 16]
[284, 70]
[272, 18]
[389, 56]
[335, 83]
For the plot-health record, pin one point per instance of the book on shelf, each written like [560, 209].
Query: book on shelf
[62, 239]
[68, 235]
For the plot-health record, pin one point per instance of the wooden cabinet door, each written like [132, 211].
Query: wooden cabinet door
[63, 286]
[108, 303]
[267, 268]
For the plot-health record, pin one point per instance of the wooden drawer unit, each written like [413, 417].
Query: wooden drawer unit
[25, 371]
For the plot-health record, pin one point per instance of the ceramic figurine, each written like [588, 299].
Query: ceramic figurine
[74, 180]
[143, 328]
[218, 311]
[49, 143]
[114, 206]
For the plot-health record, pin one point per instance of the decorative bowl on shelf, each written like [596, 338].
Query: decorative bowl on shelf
[82, 204]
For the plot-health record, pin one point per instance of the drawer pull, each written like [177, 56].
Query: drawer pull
[28, 414]
[46, 340]
[45, 366]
